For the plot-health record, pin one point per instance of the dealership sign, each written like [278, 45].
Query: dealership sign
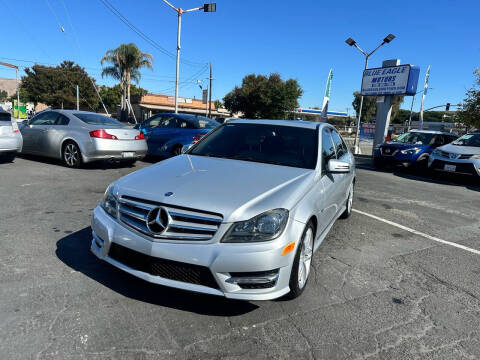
[392, 80]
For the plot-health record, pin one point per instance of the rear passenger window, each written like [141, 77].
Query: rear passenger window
[340, 146]
[62, 120]
[328, 149]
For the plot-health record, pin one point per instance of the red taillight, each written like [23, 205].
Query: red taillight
[16, 130]
[140, 136]
[102, 134]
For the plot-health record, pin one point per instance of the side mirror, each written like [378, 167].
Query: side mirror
[338, 167]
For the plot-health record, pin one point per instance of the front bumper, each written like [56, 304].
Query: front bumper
[398, 159]
[223, 260]
[106, 149]
[462, 166]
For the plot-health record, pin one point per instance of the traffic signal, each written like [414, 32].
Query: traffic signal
[447, 107]
[210, 7]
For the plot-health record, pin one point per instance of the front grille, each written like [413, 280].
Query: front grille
[388, 151]
[167, 269]
[465, 156]
[184, 223]
[464, 168]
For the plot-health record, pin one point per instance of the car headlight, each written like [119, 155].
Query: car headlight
[109, 202]
[411, 151]
[437, 152]
[475, 157]
[264, 227]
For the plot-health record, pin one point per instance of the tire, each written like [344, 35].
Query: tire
[421, 164]
[302, 263]
[8, 157]
[130, 162]
[349, 203]
[177, 150]
[71, 155]
[377, 163]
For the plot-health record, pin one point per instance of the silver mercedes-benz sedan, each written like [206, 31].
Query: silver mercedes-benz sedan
[79, 137]
[240, 214]
[10, 138]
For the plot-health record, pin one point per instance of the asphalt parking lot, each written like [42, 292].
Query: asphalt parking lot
[402, 284]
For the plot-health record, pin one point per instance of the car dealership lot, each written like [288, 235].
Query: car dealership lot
[377, 290]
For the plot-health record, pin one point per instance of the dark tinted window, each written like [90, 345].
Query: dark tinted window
[62, 120]
[273, 144]
[340, 146]
[97, 119]
[45, 118]
[328, 149]
[4, 116]
[168, 122]
[199, 122]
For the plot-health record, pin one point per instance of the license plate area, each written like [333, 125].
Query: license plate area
[128, 154]
[449, 167]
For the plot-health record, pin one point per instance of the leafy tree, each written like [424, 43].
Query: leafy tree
[56, 86]
[262, 97]
[112, 96]
[125, 64]
[369, 108]
[218, 104]
[469, 112]
[3, 95]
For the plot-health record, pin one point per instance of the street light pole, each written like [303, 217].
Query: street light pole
[352, 42]
[209, 7]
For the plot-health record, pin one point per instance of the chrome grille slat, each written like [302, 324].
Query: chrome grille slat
[184, 223]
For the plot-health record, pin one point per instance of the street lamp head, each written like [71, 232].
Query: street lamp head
[210, 7]
[350, 41]
[389, 38]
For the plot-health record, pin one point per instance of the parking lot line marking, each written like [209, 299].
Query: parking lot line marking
[416, 232]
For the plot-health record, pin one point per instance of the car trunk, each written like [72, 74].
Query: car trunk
[122, 133]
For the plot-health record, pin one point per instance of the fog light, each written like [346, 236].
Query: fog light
[254, 280]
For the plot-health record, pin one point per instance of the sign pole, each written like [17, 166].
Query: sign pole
[357, 140]
[425, 87]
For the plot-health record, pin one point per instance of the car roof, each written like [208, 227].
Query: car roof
[433, 132]
[294, 123]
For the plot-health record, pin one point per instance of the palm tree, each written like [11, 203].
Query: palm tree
[126, 62]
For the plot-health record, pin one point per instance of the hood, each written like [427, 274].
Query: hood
[470, 150]
[239, 190]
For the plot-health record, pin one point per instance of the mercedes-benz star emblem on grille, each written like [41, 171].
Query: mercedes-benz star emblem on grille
[157, 220]
[452, 156]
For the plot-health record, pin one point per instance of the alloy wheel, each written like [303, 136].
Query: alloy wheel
[71, 155]
[305, 260]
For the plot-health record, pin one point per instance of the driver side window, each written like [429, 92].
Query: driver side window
[328, 149]
[45, 118]
[153, 123]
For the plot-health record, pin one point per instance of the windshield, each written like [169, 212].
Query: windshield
[271, 144]
[97, 119]
[468, 140]
[415, 138]
[200, 122]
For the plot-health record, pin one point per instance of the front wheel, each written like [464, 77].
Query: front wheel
[177, 150]
[302, 263]
[72, 157]
[349, 203]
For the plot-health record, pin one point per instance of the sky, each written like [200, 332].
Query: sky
[299, 39]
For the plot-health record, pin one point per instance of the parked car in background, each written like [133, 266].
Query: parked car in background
[250, 235]
[411, 149]
[79, 137]
[167, 133]
[11, 140]
[461, 156]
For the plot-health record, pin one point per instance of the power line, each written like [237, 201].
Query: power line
[164, 51]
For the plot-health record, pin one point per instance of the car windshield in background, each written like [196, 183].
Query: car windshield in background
[271, 144]
[415, 138]
[4, 116]
[200, 122]
[468, 140]
[97, 119]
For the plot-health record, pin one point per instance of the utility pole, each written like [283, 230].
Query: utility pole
[210, 93]
[78, 102]
[209, 7]
[18, 95]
